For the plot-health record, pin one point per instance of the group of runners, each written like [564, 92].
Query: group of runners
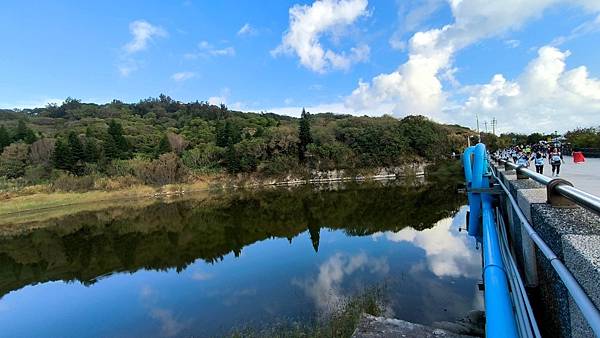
[537, 154]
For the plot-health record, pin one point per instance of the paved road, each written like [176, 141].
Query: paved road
[584, 176]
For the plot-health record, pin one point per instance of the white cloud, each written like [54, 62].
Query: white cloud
[309, 23]
[246, 29]
[41, 102]
[448, 252]
[182, 76]
[512, 43]
[411, 15]
[588, 27]
[201, 276]
[142, 33]
[417, 86]
[545, 97]
[325, 289]
[205, 49]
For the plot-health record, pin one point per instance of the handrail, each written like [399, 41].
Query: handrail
[580, 197]
[584, 303]
[499, 311]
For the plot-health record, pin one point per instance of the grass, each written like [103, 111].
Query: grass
[30, 207]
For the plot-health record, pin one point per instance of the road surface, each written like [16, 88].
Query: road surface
[584, 176]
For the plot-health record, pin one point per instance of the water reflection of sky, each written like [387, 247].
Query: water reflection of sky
[429, 276]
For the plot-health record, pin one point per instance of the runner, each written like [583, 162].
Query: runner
[556, 159]
[539, 163]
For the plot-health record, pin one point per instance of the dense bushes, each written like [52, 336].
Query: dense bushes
[584, 138]
[158, 141]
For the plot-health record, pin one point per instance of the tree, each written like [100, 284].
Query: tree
[116, 145]
[304, 134]
[227, 134]
[40, 152]
[4, 138]
[76, 154]
[14, 160]
[91, 153]
[163, 146]
[535, 138]
[233, 162]
[61, 157]
[203, 156]
[177, 143]
[24, 133]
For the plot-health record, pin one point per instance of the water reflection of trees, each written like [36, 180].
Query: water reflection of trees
[88, 245]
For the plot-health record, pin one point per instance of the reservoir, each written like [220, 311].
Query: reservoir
[214, 263]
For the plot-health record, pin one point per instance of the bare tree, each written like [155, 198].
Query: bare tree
[41, 151]
[177, 142]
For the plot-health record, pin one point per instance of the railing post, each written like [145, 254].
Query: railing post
[554, 198]
[520, 175]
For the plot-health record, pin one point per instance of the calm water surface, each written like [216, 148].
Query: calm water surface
[200, 266]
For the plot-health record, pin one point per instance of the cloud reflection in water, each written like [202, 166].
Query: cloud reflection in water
[448, 252]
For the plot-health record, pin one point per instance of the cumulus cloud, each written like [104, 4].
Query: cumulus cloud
[325, 289]
[142, 33]
[546, 96]
[418, 85]
[411, 15]
[448, 252]
[309, 23]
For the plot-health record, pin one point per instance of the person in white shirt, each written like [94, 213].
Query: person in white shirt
[556, 159]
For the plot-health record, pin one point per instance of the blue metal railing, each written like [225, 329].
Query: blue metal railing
[508, 312]
[498, 306]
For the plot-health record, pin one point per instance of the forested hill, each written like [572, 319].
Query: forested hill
[141, 139]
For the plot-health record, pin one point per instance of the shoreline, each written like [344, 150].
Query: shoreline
[45, 202]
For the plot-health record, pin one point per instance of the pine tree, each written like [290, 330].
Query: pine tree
[76, 154]
[227, 134]
[315, 235]
[61, 158]
[115, 144]
[163, 146]
[24, 133]
[111, 151]
[92, 153]
[233, 162]
[4, 138]
[304, 134]
[21, 132]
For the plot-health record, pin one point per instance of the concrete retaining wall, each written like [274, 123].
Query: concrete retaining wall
[574, 235]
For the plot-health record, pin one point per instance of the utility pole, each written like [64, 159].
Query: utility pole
[494, 122]
[478, 132]
[485, 124]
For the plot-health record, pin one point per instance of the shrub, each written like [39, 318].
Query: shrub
[278, 166]
[68, 182]
[203, 157]
[14, 160]
[167, 169]
[36, 174]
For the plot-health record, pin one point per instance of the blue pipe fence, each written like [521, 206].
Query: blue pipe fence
[509, 314]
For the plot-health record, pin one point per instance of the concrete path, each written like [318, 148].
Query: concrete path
[584, 176]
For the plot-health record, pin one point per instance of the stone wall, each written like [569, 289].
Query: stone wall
[574, 236]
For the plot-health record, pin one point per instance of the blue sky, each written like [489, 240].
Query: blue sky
[532, 65]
